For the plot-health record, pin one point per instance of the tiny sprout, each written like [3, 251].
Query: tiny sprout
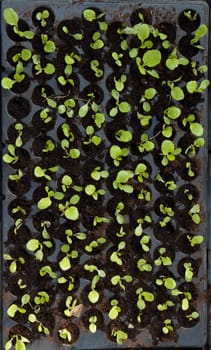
[120, 336]
[95, 67]
[118, 280]
[65, 262]
[42, 16]
[169, 152]
[145, 145]
[16, 177]
[13, 265]
[48, 45]
[123, 135]
[116, 255]
[39, 172]
[120, 83]
[99, 220]
[119, 217]
[143, 265]
[168, 282]
[163, 259]
[200, 32]
[188, 271]
[165, 305]
[72, 307]
[92, 324]
[194, 214]
[46, 202]
[117, 58]
[97, 43]
[18, 341]
[46, 270]
[141, 172]
[11, 18]
[121, 181]
[115, 309]
[96, 140]
[95, 244]
[97, 173]
[65, 334]
[193, 316]
[92, 191]
[195, 240]
[11, 157]
[143, 297]
[117, 153]
[69, 209]
[191, 15]
[192, 86]
[167, 326]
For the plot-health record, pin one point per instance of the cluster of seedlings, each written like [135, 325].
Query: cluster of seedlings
[103, 151]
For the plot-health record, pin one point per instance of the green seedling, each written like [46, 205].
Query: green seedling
[193, 316]
[170, 185]
[150, 59]
[118, 280]
[65, 262]
[93, 324]
[19, 209]
[195, 240]
[121, 106]
[42, 173]
[92, 138]
[119, 335]
[65, 334]
[168, 214]
[143, 265]
[44, 116]
[117, 153]
[19, 129]
[47, 270]
[145, 145]
[188, 271]
[200, 32]
[120, 83]
[190, 171]
[67, 108]
[143, 297]
[40, 326]
[119, 217]
[117, 58]
[69, 209]
[169, 152]
[93, 192]
[99, 220]
[14, 262]
[192, 86]
[16, 177]
[176, 91]
[72, 307]
[34, 245]
[191, 15]
[48, 45]
[67, 132]
[70, 235]
[23, 56]
[70, 281]
[122, 179]
[48, 69]
[21, 285]
[90, 15]
[41, 298]
[166, 305]
[163, 259]
[97, 42]
[115, 309]
[50, 101]
[186, 298]
[46, 202]
[97, 174]
[42, 16]
[76, 36]
[168, 282]
[95, 67]
[13, 308]
[17, 341]
[194, 213]
[12, 19]
[145, 239]
[17, 225]
[173, 61]
[94, 295]
[121, 233]
[168, 327]
[144, 119]
[123, 135]
[141, 172]
[144, 194]
[73, 153]
[11, 157]
[95, 244]
[116, 255]
[148, 95]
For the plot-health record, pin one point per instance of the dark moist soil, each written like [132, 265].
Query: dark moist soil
[139, 218]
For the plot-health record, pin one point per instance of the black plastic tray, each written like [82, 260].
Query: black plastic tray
[163, 11]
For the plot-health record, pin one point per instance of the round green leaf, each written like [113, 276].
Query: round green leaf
[10, 16]
[44, 203]
[72, 213]
[196, 129]
[152, 58]
[32, 244]
[93, 296]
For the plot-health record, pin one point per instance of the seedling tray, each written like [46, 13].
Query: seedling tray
[104, 210]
